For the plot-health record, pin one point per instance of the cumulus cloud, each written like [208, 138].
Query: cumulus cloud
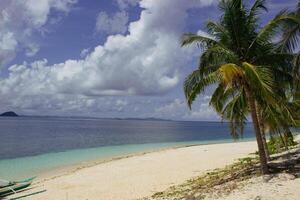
[178, 109]
[146, 61]
[116, 23]
[171, 108]
[84, 52]
[65, 105]
[19, 20]
[32, 49]
[124, 4]
[120, 102]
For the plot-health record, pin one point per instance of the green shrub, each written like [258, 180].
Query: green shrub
[276, 144]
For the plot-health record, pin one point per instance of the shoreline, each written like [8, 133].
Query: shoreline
[69, 169]
[51, 164]
[141, 174]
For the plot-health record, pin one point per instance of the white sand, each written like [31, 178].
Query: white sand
[281, 187]
[142, 175]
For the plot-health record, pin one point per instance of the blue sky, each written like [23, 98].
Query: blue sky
[101, 58]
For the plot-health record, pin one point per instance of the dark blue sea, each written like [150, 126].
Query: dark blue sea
[30, 145]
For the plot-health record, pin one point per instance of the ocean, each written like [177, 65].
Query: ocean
[33, 145]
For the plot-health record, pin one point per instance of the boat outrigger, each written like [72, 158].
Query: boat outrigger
[8, 188]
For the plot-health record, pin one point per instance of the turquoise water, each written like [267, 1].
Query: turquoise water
[33, 145]
[23, 167]
[30, 146]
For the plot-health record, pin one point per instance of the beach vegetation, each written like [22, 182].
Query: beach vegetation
[221, 182]
[277, 144]
[211, 182]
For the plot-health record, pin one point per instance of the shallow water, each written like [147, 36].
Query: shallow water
[32, 145]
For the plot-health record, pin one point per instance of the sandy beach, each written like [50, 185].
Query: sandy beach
[142, 175]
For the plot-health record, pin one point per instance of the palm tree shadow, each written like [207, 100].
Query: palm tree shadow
[288, 162]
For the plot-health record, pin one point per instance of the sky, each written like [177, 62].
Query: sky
[104, 58]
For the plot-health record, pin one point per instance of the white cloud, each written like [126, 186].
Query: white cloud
[146, 61]
[32, 50]
[120, 102]
[203, 112]
[124, 4]
[19, 20]
[116, 23]
[84, 52]
[8, 41]
[178, 109]
[172, 108]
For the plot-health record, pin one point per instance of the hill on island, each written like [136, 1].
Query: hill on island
[9, 114]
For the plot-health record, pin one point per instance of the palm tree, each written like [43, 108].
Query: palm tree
[245, 65]
[288, 43]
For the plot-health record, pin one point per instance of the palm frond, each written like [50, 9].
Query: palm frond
[220, 97]
[202, 41]
[214, 57]
[194, 84]
[291, 36]
[236, 113]
[229, 73]
[235, 21]
[271, 29]
[297, 65]
[261, 82]
[218, 31]
[258, 6]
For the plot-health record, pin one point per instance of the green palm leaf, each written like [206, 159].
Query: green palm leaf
[201, 41]
[194, 85]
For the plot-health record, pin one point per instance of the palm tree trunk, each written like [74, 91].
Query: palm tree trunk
[262, 131]
[286, 138]
[283, 142]
[264, 140]
[261, 149]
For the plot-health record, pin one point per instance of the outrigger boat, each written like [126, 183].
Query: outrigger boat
[11, 187]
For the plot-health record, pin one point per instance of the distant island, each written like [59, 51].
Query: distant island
[9, 114]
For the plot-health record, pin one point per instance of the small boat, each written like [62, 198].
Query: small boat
[4, 183]
[11, 187]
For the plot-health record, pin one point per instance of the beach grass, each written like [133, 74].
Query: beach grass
[212, 182]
